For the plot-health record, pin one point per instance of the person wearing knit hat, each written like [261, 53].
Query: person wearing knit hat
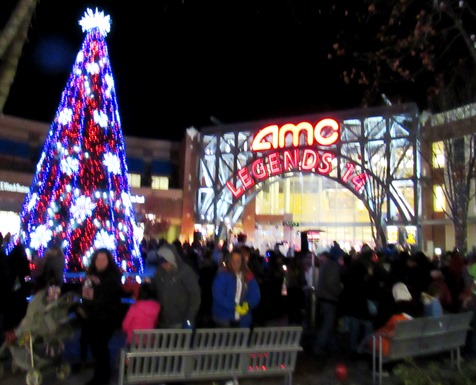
[400, 292]
[165, 254]
[176, 288]
[404, 302]
[403, 310]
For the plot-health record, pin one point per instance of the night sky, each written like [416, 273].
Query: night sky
[177, 63]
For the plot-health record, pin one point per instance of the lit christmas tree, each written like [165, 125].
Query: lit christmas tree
[80, 195]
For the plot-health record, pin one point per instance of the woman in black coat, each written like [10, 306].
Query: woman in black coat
[18, 286]
[102, 308]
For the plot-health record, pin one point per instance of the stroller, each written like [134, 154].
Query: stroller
[41, 335]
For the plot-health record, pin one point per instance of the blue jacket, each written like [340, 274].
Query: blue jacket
[224, 289]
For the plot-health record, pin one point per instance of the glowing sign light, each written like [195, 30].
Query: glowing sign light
[325, 133]
[277, 163]
[14, 187]
[313, 235]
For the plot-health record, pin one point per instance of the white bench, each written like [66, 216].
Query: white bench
[170, 355]
[420, 337]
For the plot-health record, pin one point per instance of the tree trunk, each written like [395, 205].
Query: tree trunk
[381, 240]
[12, 40]
[460, 227]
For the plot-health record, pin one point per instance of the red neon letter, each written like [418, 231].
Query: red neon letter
[295, 130]
[237, 192]
[350, 168]
[259, 169]
[291, 160]
[310, 159]
[246, 179]
[326, 163]
[359, 181]
[332, 138]
[275, 165]
[260, 144]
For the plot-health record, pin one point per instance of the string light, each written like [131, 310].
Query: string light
[80, 195]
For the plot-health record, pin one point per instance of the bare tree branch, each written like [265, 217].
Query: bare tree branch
[21, 15]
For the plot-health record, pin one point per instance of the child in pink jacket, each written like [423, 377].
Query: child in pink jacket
[143, 314]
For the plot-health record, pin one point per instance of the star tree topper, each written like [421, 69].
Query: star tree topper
[97, 19]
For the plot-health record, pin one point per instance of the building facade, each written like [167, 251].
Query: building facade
[353, 175]
[357, 176]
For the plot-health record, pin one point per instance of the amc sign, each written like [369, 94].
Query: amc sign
[280, 158]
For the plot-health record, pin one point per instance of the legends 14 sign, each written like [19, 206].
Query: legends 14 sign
[281, 158]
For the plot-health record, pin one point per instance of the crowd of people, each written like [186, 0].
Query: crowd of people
[366, 293]
[354, 294]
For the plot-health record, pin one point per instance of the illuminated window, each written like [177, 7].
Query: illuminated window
[134, 180]
[160, 183]
[438, 155]
[439, 202]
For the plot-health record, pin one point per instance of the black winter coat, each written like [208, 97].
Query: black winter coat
[106, 303]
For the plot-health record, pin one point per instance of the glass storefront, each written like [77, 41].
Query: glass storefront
[311, 202]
